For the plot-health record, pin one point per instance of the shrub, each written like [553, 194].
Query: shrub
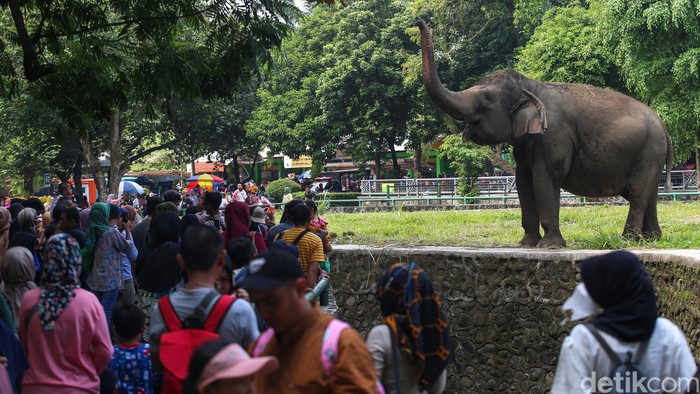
[326, 199]
[276, 188]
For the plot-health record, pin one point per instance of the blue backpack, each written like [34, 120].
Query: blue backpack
[625, 374]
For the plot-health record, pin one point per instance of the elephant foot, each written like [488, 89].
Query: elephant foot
[651, 236]
[530, 240]
[551, 242]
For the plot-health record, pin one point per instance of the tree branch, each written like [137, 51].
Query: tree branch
[126, 22]
[148, 151]
[32, 69]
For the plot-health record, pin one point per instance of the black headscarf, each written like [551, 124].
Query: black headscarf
[412, 310]
[188, 220]
[15, 210]
[619, 283]
[156, 268]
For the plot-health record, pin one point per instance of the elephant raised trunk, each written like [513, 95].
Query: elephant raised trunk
[452, 103]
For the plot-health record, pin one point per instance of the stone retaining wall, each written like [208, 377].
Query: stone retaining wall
[503, 305]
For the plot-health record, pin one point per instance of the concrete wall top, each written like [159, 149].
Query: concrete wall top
[688, 257]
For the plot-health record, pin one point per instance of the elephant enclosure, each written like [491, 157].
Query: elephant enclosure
[596, 225]
[503, 305]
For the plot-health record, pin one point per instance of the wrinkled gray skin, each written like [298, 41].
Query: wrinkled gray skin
[587, 140]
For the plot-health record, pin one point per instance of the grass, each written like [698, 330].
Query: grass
[591, 227]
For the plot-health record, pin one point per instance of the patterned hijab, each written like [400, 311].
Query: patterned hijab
[61, 277]
[412, 310]
[18, 272]
[5, 221]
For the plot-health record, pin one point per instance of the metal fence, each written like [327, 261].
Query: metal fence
[685, 180]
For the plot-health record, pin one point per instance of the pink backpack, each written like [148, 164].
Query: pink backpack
[329, 346]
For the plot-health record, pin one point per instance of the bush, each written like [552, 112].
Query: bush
[326, 199]
[276, 188]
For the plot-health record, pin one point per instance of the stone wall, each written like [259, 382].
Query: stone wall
[503, 305]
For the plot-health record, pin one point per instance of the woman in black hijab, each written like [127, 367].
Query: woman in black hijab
[156, 270]
[628, 324]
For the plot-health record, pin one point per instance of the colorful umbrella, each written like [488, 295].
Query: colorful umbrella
[129, 187]
[205, 181]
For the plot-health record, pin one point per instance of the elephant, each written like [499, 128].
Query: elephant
[586, 140]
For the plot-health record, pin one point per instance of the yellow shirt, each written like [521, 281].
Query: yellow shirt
[310, 247]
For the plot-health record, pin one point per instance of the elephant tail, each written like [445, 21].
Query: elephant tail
[669, 162]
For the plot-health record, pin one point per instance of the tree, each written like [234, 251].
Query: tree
[363, 92]
[94, 61]
[657, 47]
[467, 160]
[290, 119]
[569, 46]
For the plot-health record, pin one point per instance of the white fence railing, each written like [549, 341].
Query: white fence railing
[682, 180]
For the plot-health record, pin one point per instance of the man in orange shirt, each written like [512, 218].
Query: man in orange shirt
[277, 286]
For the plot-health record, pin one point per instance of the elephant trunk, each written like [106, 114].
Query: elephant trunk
[452, 103]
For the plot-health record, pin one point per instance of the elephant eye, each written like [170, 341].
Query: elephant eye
[487, 97]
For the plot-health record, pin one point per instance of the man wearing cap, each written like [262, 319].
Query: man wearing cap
[277, 286]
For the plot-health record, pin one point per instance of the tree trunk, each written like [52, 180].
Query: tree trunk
[378, 164]
[94, 163]
[77, 179]
[417, 157]
[236, 173]
[28, 175]
[498, 161]
[697, 158]
[395, 162]
[116, 158]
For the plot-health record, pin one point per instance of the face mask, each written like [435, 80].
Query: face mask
[580, 304]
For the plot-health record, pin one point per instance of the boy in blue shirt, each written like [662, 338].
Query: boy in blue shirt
[131, 362]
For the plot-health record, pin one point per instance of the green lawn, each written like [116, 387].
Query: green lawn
[593, 227]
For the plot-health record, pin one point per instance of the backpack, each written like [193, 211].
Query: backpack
[329, 346]
[184, 336]
[293, 248]
[630, 377]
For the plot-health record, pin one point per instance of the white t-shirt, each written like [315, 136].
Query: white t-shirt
[667, 356]
[240, 325]
[241, 195]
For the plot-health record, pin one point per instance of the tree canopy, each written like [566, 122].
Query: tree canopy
[128, 79]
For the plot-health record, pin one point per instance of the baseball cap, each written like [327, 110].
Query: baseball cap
[258, 215]
[273, 268]
[232, 362]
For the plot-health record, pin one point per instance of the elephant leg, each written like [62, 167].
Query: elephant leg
[547, 193]
[650, 227]
[528, 207]
[642, 203]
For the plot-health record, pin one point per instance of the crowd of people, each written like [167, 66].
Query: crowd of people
[101, 300]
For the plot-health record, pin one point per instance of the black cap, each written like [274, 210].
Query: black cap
[274, 268]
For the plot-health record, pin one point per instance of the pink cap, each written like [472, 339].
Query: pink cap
[232, 362]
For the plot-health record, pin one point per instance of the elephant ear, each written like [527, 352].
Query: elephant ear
[529, 115]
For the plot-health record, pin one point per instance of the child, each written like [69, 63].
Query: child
[131, 361]
[220, 367]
